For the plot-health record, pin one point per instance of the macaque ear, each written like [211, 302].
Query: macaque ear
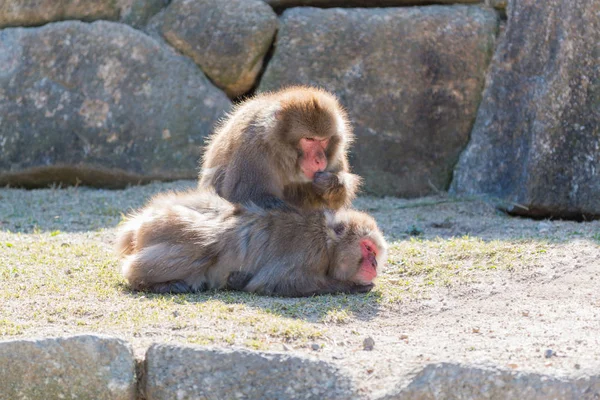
[276, 112]
[339, 229]
[272, 116]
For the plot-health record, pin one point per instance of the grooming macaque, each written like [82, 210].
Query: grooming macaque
[197, 241]
[283, 148]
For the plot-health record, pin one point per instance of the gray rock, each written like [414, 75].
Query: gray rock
[411, 79]
[99, 104]
[536, 141]
[228, 40]
[137, 13]
[39, 12]
[280, 4]
[283, 4]
[462, 382]
[174, 372]
[84, 367]
[499, 4]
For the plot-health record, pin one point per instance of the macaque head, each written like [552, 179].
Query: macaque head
[314, 125]
[358, 247]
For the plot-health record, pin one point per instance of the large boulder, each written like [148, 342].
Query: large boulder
[39, 12]
[411, 79]
[228, 40]
[174, 372]
[436, 381]
[283, 4]
[499, 4]
[99, 104]
[78, 367]
[359, 3]
[536, 141]
[138, 12]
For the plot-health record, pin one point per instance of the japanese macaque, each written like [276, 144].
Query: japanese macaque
[198, 241]
[283, 148]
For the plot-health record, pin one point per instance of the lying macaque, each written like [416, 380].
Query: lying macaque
[196, 241]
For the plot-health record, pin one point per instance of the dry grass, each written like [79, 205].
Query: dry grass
[59, 274]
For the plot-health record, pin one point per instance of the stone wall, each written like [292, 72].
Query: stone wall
[483, 97]
[101, 367]
[536, 140]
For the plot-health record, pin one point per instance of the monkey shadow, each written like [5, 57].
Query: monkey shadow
[334, 308]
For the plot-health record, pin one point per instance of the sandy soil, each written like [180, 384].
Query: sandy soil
[510, 321]
[506, 319]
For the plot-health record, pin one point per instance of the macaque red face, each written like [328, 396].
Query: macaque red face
[313, 157]
[360, 259]
[368, 266]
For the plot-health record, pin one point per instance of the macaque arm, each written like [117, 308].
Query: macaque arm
[173, 287]
[249, 179]
[328, 189]
[313, 287]
[293, 286]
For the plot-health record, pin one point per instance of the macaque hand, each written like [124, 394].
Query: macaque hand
[361, 288]
[326, 182]
[238, 280]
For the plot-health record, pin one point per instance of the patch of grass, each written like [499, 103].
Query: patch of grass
[255, 344]
[416, 263]
[292, 331]
[201, 340]
[337, 316]
[71, 282]
[414, 230]
[11, 328]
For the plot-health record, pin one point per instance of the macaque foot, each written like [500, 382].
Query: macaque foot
[173, 287]
[238, 280]
[325, 182]
[361, 289]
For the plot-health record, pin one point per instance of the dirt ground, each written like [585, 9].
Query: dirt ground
[464, 283]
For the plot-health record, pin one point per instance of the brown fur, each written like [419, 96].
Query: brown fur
[254, 154]
[198, 241]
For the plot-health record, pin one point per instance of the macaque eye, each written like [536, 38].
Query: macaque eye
[369, 249]
[309, 139]
[339, 229]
